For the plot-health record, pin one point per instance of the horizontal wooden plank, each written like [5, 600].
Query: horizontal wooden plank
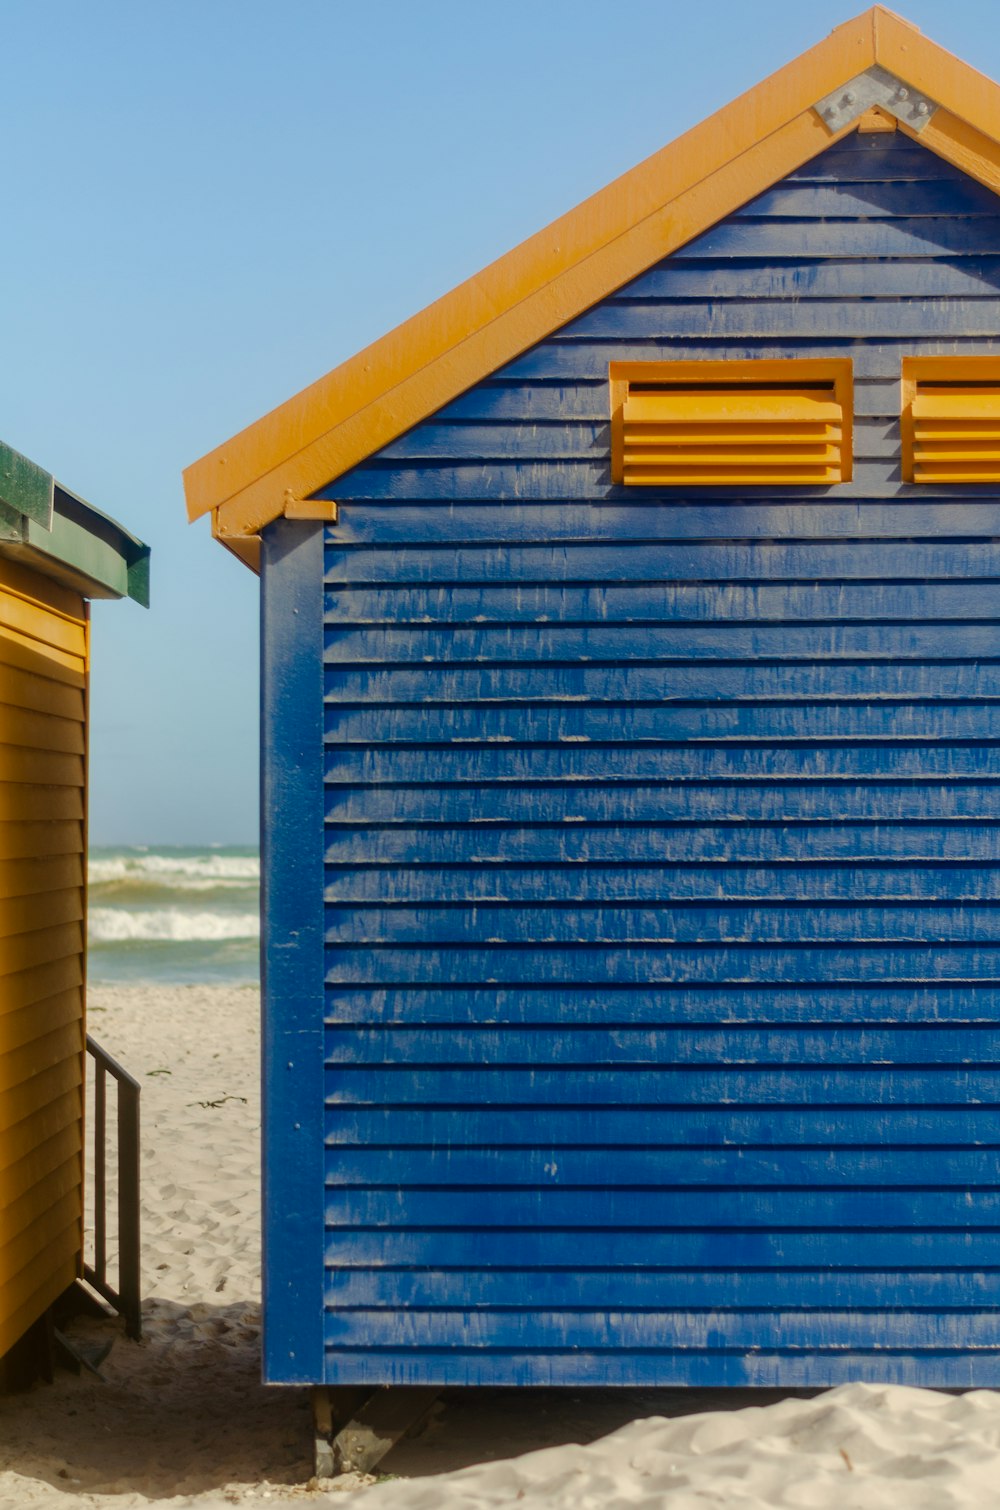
[405, 1289]
[962, 1368]
[41, 731]
[26, 1306]
[45, 1090]
[650, 604]
[785, 802]
[499, 399]
[55, 1042]
[41, 694]
[684, 739]
[579, 521]
[672, 963]
[896, 236]
[817, 278]
[34, 1168]
[647, 1250]
[31, 877]
[732, 640]
[588, 1209]
[795, 199]
[28, 1264]
[682, 1170]
[755, 318]
[42, 946]
[704, 1085]
[22, 765]
[699, 922]
[43, 590]
[41, 1123]
[35, 839]
[540, 480]
[619, 561]
[38, 982]
[610, 1048]
[39, 1245]
[921, 1330]
[662, 1004]
[873, 439]
[862, 156]
[38, 622]
[871, 682]
[837, 736]
[23, 1025]
[46, 662]
[45, 909]
[875, 356]
[694, 1129]
[578, 843]
[22, 1215]
[500, 764]
[31, 801]
[665, 885]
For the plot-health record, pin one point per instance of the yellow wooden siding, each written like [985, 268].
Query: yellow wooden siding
[40, 981]
[43, 687]
[22, 878]
[20, 1025]
[35, 800]
[42, 1160]
[22, 1139]
[19, 1103]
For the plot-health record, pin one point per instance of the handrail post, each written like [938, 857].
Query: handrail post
[100, 1171]
[128, 1209]
[126, 1299]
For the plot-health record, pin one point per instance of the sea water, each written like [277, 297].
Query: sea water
[161, 914]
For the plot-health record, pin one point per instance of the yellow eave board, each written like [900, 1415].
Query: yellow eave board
[550, 279]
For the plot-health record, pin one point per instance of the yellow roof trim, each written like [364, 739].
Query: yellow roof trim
[614, 236]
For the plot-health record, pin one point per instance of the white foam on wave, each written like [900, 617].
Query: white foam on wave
[113, 925]
[191, 872]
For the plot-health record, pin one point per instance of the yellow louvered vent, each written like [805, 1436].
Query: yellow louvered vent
[726, 424]
[951, 419]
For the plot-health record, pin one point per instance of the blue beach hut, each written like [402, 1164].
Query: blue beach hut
[631, 664]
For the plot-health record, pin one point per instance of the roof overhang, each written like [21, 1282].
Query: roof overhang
[876, 60]
[52, 531]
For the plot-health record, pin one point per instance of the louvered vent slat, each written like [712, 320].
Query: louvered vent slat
[694, 424]
[951, 420]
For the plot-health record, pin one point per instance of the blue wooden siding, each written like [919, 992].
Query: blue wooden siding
[662, 868]
[292, 952]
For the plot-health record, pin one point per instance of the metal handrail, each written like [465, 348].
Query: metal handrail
[125, 1299]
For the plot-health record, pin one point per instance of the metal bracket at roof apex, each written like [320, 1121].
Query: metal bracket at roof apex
[876, 86]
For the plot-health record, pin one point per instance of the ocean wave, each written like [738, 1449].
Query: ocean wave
[187, 872]
[112, 925]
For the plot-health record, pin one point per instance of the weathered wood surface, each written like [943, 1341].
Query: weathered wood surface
[662, 944]
[43, 668]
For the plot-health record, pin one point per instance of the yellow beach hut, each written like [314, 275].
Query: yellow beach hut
[56, 553]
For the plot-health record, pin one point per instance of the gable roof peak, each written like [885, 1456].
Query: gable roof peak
[877, 58]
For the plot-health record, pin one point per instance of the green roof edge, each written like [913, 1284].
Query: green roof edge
[26, 487]
[53, 531]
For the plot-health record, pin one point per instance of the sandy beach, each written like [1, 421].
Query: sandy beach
[182, 1420]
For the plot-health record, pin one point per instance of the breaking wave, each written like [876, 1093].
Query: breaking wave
[111, 925]
[195, 872]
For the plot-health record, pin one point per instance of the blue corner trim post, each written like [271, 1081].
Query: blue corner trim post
[292, 949]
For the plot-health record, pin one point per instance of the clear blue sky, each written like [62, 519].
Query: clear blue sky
[210, 204]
